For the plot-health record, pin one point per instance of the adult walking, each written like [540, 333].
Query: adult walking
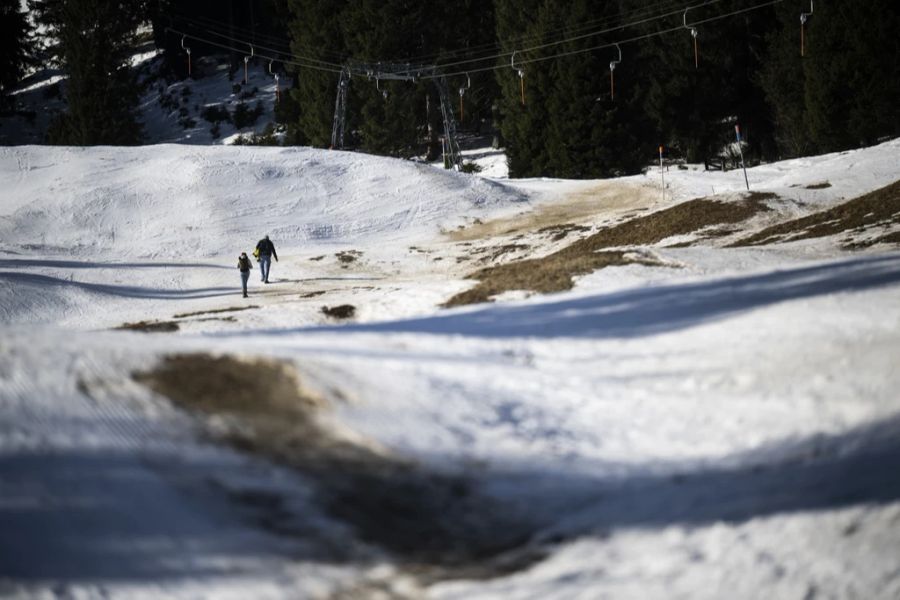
[244, 266]
[265, 250]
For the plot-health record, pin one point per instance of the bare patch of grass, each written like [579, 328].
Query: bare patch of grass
[559, 232]
[497, 251]
[554, 273]
[342, 311]
[681, 219]
[317, 258]
[214, 311]
[890, 238]
[819, 186]
[436, 525]
[879, 207]
[348, 256]
[151, 326]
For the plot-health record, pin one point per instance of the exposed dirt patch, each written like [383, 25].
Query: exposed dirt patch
[435, 525]
[348, 256]
[891, 238]
[681, 219]
[881, 207]
[342, 311]
[317, 258]
[151, 326]
[214, 311]
[819, 186]
[313, 294]
[498, 251]
[559, 232]
[608, 198]
[554, 273]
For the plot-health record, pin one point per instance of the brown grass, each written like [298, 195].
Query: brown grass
[554, 273]
[607, 198]
[878, 207]
[214, 311]
[437, 524]
[150, 326]
[342, 311]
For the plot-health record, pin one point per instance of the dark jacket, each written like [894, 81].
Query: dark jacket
[266, 248]
[244, 264]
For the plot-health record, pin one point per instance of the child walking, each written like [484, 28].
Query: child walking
[244, 266]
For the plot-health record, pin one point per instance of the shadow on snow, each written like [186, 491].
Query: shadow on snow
[651, 310]
[128, 291]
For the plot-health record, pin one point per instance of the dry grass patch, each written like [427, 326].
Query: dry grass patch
[437, 525]
[546, 275]
[214, 311]
[342, 311]
[891, 238]
[150, 326]
[554, 273]
[875, 208]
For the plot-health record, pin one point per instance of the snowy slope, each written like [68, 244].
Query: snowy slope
[725, 425]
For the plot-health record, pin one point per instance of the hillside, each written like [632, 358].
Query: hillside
[688, 393]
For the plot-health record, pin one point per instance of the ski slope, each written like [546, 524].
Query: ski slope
[723, 424]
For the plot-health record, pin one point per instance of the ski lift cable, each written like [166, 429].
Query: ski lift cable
[496, 56]
[277, 52]
[618, 27]
[493, 57]
[632, 39]
[584, 26]
[280, 59]
[212, 26]
[305, 62]
[216, 27]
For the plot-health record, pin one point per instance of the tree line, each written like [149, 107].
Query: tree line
[565, 116]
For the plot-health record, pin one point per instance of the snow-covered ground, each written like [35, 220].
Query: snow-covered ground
[723, 425]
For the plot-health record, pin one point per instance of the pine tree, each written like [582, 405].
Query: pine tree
[316, 35]
[783, 80]
[95, 40]
[570, 125]
[852, 77]
[14, 45]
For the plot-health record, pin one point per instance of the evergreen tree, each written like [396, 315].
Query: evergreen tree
[95, 41]
[782, 78]
[695, 96]
[316, 35]
[843, 92]
[14, 45]
[852, 76]
[363, 33]
[570, 125]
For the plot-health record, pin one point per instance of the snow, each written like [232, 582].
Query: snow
[724, 425]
